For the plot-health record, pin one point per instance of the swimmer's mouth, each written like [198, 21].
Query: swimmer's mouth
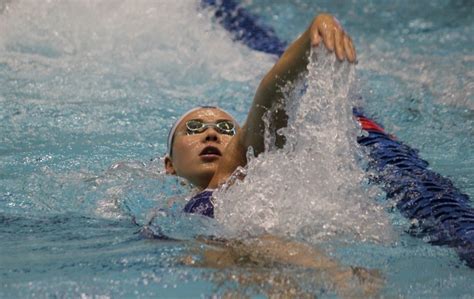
[210, 151]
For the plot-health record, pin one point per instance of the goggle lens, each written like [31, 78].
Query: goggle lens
[223, 126]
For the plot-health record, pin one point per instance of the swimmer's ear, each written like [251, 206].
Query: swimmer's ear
[169, 166]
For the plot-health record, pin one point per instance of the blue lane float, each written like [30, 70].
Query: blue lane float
[439, 211]
[246, 27]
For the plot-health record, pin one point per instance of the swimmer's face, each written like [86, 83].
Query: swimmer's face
[196, 156]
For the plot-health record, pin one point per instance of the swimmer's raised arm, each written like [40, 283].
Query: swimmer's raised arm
[291, 64]
[324, 28]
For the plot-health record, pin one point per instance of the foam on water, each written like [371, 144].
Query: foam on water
[312, 188]
[124, 36]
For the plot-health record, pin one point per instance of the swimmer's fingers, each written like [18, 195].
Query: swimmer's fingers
[328, 29]
[371, 280]
[339, 43]
[349, 49]
[324, 26]
[315, 38]
[358, 282]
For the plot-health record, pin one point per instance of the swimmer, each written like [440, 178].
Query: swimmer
[206, 146]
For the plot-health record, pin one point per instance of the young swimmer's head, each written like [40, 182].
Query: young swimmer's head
[197, 142]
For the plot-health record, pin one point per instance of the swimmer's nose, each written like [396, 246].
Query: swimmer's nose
[211, 135]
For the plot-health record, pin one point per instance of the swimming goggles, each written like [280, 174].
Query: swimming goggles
[196, 126]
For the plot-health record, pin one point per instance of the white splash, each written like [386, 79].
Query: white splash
[312, 188]
[79, 45]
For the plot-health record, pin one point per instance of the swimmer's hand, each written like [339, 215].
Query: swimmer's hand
[358, 282]
[327, 29]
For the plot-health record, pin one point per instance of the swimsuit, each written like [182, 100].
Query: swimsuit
[201, 203]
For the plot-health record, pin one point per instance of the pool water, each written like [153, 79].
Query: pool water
[89, 89]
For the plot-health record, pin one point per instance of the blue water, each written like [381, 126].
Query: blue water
[89, 90]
